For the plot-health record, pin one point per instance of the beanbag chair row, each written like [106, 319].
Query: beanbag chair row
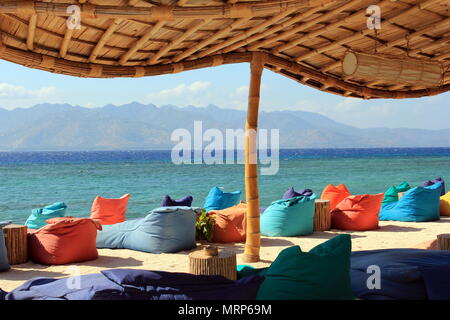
[391, 195]
[289, 217]
[229, 224]
[109, 211]
[291, 193]
[4, 262]
[165, 229]
[64, 240]
[417, 205]
[131, 284]
[335, 194]
[359, 213]
[445, 205]
[218, 200]
[183, 202]
[428, 183]
[320, 274]
[38, 216]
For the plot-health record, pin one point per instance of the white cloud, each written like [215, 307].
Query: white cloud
[9, 91]
[180, 90]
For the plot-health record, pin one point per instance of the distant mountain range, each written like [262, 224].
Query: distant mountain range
[137, 126]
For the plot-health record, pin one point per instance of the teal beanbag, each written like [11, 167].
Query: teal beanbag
[163, 230]
[391, 195]
[38, 216]
[418, 204]
[218, 200]
[320, 274]
[4, 262]
[289, 217]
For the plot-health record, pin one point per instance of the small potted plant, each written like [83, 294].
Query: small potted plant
[204, 226]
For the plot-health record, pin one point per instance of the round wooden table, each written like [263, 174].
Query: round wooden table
[322, 215]
[16, 243]
[211, 261]
[443, 241]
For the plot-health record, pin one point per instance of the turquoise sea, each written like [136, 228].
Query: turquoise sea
[34, 179]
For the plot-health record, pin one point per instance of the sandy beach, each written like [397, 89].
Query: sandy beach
[390, 235]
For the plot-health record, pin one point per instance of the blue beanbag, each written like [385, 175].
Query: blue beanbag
[165, 229]
[291, 193]
[218, 200]
[4, 262]
[289, 217]
[38, 216]
[417, 205]
[169, 202]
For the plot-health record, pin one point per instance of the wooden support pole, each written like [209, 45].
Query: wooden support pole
[253, 239]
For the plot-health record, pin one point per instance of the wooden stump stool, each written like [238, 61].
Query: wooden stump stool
[443, 241]
[322, 215]
[211, 261]
[16, 243]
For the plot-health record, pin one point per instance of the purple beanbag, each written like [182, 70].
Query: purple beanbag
[290, 193]
[169, 202]
[428, 183]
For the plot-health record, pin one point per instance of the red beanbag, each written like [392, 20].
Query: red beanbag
[109, 211]
[229, 224]
[64, 240]
[357, 213]
[335, 194]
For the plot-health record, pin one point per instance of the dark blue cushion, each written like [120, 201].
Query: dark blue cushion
[428, 183]
[169, 202]
[291, 193]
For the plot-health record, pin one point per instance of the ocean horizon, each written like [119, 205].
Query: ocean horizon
[33, 179]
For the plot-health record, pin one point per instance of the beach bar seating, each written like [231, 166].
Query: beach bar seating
[358, 212]
[156, 38]
[291, 193]
[219, 200]
[63, 241]
[445, 204]
[38, 217]
[229, 224]
[163, 230]
[182, 202]
[109, 211]
[418, 204]
[335, 194]
[395, 192]
[428, 183]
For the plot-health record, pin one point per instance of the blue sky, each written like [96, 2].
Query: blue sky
[224, 86]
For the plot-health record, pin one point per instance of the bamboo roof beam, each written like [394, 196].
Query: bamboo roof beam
[252, 31]
[65, 43]
[161, 12]
[105, 36]
[141, 42]
[197, 25]
[31, 31]
[211, 39]
[399, 40]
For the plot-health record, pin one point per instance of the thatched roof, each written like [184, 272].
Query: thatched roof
[304, 40]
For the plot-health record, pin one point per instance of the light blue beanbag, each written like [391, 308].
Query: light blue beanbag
[4, 262]
[289, 217]
[418, 204]
[164, 229]
[38, 216]
[218, 200]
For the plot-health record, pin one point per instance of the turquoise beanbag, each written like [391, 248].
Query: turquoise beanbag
[289, 217]
[165, 229]
[418, 204]
[4, 262]
[391, 194]
[218, 200]
[320, 274]
[38, 216]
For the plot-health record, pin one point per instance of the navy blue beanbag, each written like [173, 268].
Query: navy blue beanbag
[183, 202]
[291, 193]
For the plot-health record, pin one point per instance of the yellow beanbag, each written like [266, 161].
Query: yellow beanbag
[445, 204]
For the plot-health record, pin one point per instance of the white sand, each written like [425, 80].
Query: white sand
[390, 235]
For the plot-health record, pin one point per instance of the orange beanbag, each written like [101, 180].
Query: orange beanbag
[229, 224]
[335, 194]
[358, 213]
[64, 240]
[109, 211]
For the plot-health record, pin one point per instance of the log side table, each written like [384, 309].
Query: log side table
[211, 261]
[16, 243]
[443, 241]
[322, 215]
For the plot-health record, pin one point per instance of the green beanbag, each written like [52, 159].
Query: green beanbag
[320, 274]
[391, 195]
[289, 217]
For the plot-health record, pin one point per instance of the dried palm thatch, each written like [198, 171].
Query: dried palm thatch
[305, 40]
